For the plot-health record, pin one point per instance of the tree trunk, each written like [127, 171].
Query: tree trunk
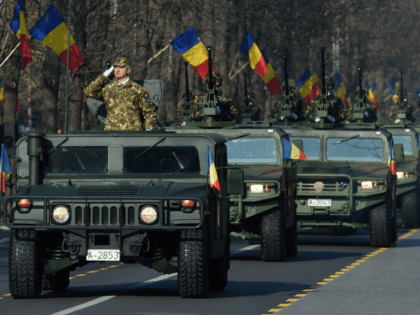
[51, 77]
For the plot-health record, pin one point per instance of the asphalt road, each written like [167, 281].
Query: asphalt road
[255, 287]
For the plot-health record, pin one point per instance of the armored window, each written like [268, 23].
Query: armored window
[311, 147]
[161, 160]
[76, 161]
[355, 150]
[406, 142]
[252, 150]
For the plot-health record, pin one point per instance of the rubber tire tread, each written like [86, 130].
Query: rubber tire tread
[219, 268]
[410, 207]
[24, 269]
[273, 236]
[193, 264]
[394, 229]
[58, 281]
[291, 238]
[380, 226]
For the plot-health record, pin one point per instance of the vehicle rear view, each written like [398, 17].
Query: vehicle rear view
[348, 181]
[134, 197]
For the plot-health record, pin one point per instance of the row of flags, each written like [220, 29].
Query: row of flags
[49, 30]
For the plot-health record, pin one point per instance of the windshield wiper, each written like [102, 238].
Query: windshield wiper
[149, 148]
[81, 164]
[236, 137]
[65, 139]
[179, 162]
[344, 140]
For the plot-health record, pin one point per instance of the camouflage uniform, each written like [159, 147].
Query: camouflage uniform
[393, 111]
[371, 108]
[181, 105]
[339, 111]
[124, 102]
[298, 108]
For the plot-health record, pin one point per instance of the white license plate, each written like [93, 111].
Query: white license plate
[319, 202]
[103, 255]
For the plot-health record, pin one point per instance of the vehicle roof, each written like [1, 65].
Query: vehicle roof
[302, 131]
[258, 131]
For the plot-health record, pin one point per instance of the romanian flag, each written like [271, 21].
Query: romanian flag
[392, 83]
[290, 151]
[52, 32]
[251, 51]
[270, 78]
[192, 50]
[5, 169]
[340, 89]
[18, 26]
[308, 86]
[1, 95]
[391, 159]
[373, 95]
[211, 170]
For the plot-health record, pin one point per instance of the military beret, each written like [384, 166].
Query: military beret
[122, 62]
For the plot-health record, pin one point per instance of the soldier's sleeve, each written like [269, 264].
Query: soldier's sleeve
[94, 90]
[148, 111]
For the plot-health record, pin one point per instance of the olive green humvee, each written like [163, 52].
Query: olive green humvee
[134, 197]
[347, 180]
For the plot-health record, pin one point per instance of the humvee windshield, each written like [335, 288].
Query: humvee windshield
[251, 150]
[76, 161]
[363, 150]
[161, 160]
[311, 147]
[406, 142]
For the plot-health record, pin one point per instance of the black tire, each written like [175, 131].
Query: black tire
[380, 226]
[58, 281]
[410, 207]
[394, 229]
[219, 268]
[24, 270]
[193, 264]
[291, 238]
[273, 236]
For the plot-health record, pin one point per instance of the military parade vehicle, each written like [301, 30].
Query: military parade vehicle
[408, 188]
[128, 196]
[264, 210]
[349, 179]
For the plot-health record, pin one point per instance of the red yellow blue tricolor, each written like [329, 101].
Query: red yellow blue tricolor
[290, 151]
[391, 159]
[18, 25]
[52, 32]
[5, 169]
[270, 78]
[308, 86]
[211, 170]
[251, 51]
[373, 95]
[192, 50]
[340, 89]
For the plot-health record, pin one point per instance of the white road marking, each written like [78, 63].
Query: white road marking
[4, 240]
[160, 278]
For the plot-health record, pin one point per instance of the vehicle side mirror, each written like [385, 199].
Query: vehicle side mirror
[298, 143]
[399, 153]
[235, 182]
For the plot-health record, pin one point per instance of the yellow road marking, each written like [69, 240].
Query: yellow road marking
[284, 305]
[345, 269]
[340, 272]
[292, 300]
[93, 271]
[355, 264]
[8, 294]
[81, 275]
[275, 310]
[300, 295]
[104, 269]
[322, 283]
[334, 276]
[328, 279]
[308, 290]
[360, 261]
[351, 267]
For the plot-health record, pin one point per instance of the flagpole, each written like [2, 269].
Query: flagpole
[157, 54]
[4, 44]
[233, 64]
[10, 54]
[67, 72]
[243, 67]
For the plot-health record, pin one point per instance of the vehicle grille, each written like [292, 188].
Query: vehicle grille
[107, 216]
[319, 186]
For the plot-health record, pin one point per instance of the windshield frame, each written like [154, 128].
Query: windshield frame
[277, 145]
[413, 151]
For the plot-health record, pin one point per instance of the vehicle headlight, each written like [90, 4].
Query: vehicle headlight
[256, 188]
[400, 175]
[366, 185]
[61, 214]
[148, 215]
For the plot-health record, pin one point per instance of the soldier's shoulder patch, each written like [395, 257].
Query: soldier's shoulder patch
[146, 95]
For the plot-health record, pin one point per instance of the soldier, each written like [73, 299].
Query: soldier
[370, 110]
[125, 100]
[410, 113]
[298, 108]
[338, 110]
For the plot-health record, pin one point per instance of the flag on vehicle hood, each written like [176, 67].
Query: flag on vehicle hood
[192, 50]
[5, 169]
[52, 32]
[291, 151]
[250, 50]
[340, 89]
[18, 25]
[211, 170]
[270, 78]
[308, 85]
[391, 159]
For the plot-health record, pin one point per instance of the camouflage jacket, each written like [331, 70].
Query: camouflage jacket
[393, 111]
[298, 108]
[338, 111]
[124, 104]
[371, 113]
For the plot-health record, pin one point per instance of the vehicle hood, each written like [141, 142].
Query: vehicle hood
[379, 171]
[262, 172]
